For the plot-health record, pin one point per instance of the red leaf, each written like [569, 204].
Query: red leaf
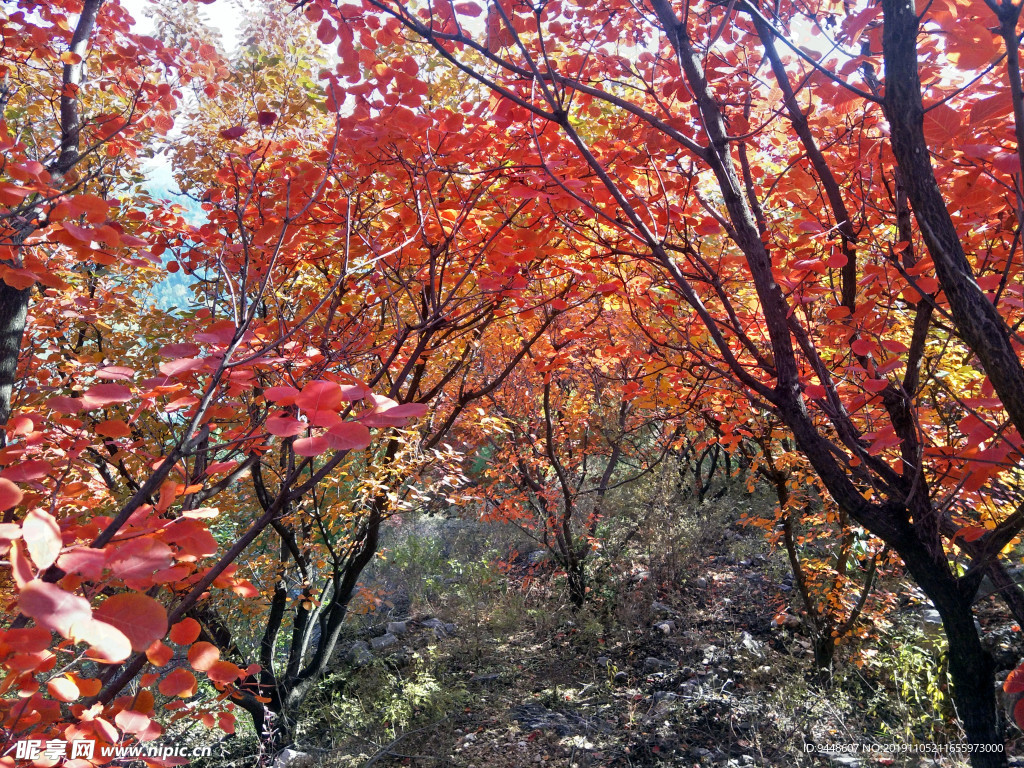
[102, 395]
[319, 396]
[266, 119]
[221, 332]
[138, 724]
[52, 607]
[281, 395]
[226, 721]
[174, 351]
[137, 560]
[21, 568]
[26, 471]
[67, 405]
[42, 537]
[348, 436]
[182, 365]
[10, 494]
[285, 426]
[192, 537]
[141, 618]
[28, 640]
[326, 32]
[390, 414]
[352, 392]
[235, 132]
[311, 446]
[971, 533]
[863, 347]
[85, 561]
[115, 373]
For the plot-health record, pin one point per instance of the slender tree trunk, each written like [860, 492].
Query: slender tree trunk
[13, 313]
[577, 578]
[824, 655]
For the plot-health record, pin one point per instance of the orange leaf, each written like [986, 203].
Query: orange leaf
[1015, 681]
[179, 682]
[202, 656]
[159, 654]
[185, 632]
[223, 672]
[113, 428]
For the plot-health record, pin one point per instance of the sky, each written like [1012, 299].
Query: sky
[221, 15]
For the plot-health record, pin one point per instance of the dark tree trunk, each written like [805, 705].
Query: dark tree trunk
[824, 656]
[971, 667]
[13, 312]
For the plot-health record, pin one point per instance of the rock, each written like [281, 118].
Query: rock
[382, 642]
[603, 662]
[660, 696]
[291, 758]
[359, 654]
[847, 761]
[665, 627]
[700, 582]
[621, 678]
[751, 646]
[536, 717]
[489, 677]
[931, 622]
[652, 664]
[469, 737]
[657, 607]
[440, 628]
[398, 628]
[538, 557]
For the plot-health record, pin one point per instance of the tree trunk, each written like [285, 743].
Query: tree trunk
[971, 667]
[824, 655]
[577, 578]
[13, 312]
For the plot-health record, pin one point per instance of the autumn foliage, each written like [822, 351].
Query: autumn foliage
[580, 234]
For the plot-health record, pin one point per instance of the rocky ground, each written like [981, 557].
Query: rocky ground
[697, 674]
